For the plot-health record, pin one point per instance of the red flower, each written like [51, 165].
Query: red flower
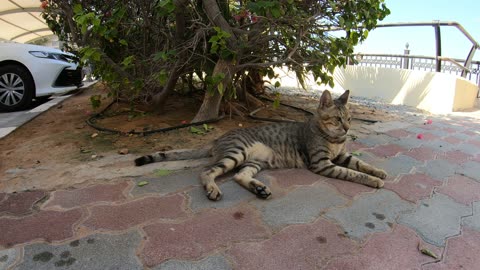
[44, 4]
[420, 136]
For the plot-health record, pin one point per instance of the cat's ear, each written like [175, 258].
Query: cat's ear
[325, 100]
[344, 97]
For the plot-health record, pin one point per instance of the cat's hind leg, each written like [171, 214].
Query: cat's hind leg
[245, 178]
[209, 174]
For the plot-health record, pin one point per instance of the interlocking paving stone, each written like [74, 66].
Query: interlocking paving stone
[452, 140]
[305, 246]
[388, 150]
[100, 251]
[462, 137]
[475, 142]
[391, 250]
[168, 183]
[20, 203]
[38, 226]
[439, 146]
[384, 127]
[461, 253]
[370, 213]
[457, 157]
[78, 197]
[123, 216]
[216, 262]
[374, 140]
[413, 187]
[438, 169]
[399, 133]
[468, 148]
[421, 153]
[355, 146]
[473, 222]
[200, 235]
[400, 164]
[470, 169]
[436, 218]
[233, 194]
[416, 129]
[462, 189]
[409, 143]
[302, 205]
[294, 177]
[7, 258]
[348, 188]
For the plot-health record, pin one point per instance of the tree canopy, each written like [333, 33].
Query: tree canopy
[144, 48]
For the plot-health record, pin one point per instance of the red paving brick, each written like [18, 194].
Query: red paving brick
[389, 250]
[475, 142]
[355, 146]
[20, 203]
[126, 215]
[421, 153]
[45, 225]
[429, 136]
[93, 194]
[388, 150]
[348, 188]
[450, 130]
[462, 189]
[462, 253]
[294, 177]
[457, 157]
[200, 235]
[413, 187]
[452, 140]
[2, 196]
[470, 133]
[296, 247]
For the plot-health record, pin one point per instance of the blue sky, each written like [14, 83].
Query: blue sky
[422, 39]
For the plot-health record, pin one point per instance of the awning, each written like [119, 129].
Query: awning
[21, 21]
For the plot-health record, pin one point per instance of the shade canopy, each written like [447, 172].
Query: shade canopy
[21, 21]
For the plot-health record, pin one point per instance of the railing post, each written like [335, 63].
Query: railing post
[438, 43]
[468, 61]
[406, 60]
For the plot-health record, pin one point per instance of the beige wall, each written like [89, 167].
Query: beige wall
[430, 91]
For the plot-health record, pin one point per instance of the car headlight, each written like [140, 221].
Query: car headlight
[56, 56]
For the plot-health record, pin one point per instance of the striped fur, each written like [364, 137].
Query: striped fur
[318, 144]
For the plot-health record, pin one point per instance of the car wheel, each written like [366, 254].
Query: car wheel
[16, 88]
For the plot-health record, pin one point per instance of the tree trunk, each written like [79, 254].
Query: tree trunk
[211, 101]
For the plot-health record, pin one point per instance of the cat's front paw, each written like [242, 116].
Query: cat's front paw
[380, 174]
[375, 183]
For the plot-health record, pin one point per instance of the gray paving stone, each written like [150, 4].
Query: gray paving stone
[470, 169]
[7, 258]
[409, 143]
[233, 194]
[438, 169]
[374, 212]
[473, 221]
[168, 183]
[439, 145]
[436, 218]
[415, 130]
[374, 140]
[301, 205]
[400, 164]
[467, 148]
[462, 136]
[100, 251]
[436, 132]
[383, 127]
[215, 262]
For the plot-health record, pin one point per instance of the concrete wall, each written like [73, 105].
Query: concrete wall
[430, 91]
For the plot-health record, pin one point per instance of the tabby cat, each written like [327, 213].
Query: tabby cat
[317, 144]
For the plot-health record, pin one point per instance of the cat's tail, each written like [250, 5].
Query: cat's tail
[173, 155]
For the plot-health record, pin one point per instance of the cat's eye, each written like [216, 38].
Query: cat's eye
[339, 119]
[349, 118]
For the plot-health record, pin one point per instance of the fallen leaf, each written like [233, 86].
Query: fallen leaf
[142, 183]
[161, 172]
[420, 136]
[428, 253]
[356, 153]
[94, 135]
[85, 151]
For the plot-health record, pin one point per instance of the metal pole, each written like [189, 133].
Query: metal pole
[406, 60]
[468, 61]
[438, 43]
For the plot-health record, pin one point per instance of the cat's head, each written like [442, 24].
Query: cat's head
[333, 116]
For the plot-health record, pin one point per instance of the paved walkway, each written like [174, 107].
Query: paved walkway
[11, 121]
[431, 202]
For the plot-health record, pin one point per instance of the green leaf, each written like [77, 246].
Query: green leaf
[356, 153]
[277, 84]
[161, 172]
[142, 183]
[77, 8]
[276, 12]
[197, 131]
[220, 88]
[123, 42]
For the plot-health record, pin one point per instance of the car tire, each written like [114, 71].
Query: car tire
[17, 88]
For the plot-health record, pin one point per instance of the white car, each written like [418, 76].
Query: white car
[30, 71]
